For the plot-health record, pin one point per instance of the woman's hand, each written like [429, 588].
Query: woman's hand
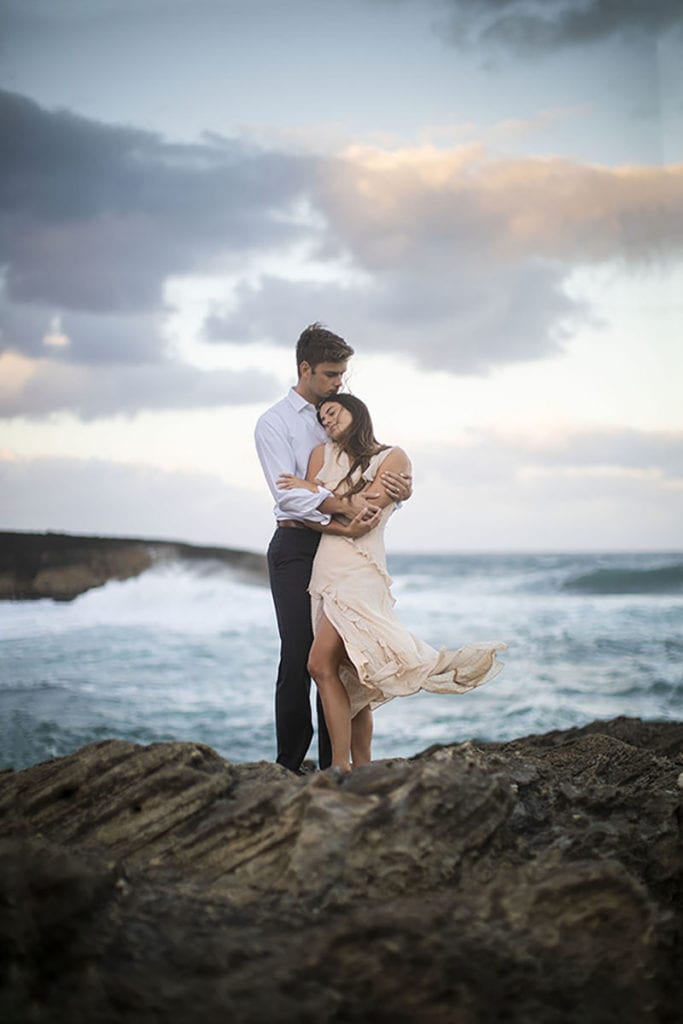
[363, 521]
[289, 482]
[361, 500]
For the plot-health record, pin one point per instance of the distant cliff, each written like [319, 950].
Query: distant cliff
[61, 566]
[534, 882]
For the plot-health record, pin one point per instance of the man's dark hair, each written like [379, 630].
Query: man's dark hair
[318, 345]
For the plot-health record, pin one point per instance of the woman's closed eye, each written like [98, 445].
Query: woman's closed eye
[335, 418]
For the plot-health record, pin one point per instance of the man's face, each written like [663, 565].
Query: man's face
[322, 380]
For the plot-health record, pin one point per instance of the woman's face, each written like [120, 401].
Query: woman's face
[335, 419]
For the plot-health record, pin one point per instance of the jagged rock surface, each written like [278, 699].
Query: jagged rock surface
[538, 880]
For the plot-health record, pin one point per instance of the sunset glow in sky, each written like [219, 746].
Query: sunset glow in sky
[484, 198]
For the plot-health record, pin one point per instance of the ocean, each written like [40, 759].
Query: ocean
[189, 652]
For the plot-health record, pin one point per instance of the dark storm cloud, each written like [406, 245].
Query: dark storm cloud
[465, 322]
[95, 217]
[93, 337]
[527, 26]
[457, 260]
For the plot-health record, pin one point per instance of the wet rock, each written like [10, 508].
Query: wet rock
[538, 880]
[62, 566]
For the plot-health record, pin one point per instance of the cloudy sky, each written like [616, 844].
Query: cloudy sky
[484, 197]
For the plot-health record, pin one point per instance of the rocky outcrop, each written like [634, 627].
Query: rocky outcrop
[531, 881]
[62, 566]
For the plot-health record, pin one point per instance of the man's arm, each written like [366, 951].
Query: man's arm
[276, 457]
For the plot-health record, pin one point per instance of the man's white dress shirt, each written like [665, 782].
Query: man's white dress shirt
[286, 434]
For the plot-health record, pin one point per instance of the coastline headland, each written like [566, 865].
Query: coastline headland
[61, 566]
[533, 880]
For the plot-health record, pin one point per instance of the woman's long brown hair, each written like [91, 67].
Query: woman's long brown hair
[358, 440]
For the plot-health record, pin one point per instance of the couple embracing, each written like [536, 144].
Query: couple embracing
[335, 487]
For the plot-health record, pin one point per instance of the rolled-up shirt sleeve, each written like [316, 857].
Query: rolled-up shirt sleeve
[276, 457]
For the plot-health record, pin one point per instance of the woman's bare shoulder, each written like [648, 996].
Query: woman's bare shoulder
[396, 461]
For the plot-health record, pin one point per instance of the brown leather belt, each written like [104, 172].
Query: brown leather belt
[293, 524]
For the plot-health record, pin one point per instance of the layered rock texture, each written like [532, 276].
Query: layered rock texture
[531, 881]
[62, 566]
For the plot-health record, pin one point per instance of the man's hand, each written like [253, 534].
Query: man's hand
[399, 486]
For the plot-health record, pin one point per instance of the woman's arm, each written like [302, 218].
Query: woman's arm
[332, 506]
[360, 515]
[394, 465]
[360, 520]
[361, 523]
[288, 481]
[378, 492]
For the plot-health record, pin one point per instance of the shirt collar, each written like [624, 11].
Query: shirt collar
[297, 401]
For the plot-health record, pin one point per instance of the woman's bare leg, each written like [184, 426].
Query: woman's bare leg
[361, 737]
[323, 664]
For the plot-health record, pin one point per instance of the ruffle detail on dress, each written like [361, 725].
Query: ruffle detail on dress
[377, 671]
[465, 669]
[352, 616]
[372, 561]
[356, 675]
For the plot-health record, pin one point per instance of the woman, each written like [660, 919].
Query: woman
[361, 655]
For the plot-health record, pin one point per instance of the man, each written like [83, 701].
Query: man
[285, 435]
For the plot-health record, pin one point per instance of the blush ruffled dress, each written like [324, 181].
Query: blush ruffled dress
[350, 586]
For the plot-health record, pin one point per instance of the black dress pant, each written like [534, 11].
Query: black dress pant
[290, 560]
